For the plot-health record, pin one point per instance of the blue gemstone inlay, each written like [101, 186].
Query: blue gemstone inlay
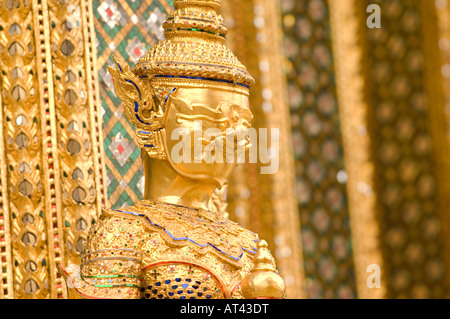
[158, 283]
[180, 292]
[174, 286]
[208, 296]
[190, 291]
[199, 294]
[171, 293]
[183, 297]
[177, 279]
[167, 281]
[184, 286]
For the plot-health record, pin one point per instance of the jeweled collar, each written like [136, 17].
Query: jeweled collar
[203, 219]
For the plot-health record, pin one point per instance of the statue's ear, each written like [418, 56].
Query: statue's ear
[120, 85]
[118, 76]
[114, 72]
[121, 65]
[127, 85]
[120, 68]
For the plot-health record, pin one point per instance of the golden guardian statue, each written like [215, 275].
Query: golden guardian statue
[175, 243]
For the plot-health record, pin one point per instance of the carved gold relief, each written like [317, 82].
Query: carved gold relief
[74, 141]
[23, 150]
[49, 194]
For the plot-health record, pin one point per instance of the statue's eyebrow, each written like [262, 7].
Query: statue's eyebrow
[241, 108]
[199, 117]
[208, 109]
[217, 114]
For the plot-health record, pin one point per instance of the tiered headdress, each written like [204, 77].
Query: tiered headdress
[194, 50]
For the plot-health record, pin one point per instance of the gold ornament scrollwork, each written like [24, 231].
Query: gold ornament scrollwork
[74, 140]
[51, 175]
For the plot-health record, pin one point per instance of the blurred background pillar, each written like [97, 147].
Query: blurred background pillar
[345, 18]
[392, 95]
[266, 203]
[320, 170]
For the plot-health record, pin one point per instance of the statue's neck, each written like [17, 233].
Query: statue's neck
[163, 184]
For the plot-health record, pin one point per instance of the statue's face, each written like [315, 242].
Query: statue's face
[200, 132]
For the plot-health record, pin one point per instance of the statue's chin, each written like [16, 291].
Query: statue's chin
[208, 176]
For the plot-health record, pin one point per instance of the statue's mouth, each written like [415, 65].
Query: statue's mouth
[230, 144]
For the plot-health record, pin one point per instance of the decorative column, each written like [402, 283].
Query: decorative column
[52, 171]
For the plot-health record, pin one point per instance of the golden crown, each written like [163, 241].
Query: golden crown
[194, 52]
